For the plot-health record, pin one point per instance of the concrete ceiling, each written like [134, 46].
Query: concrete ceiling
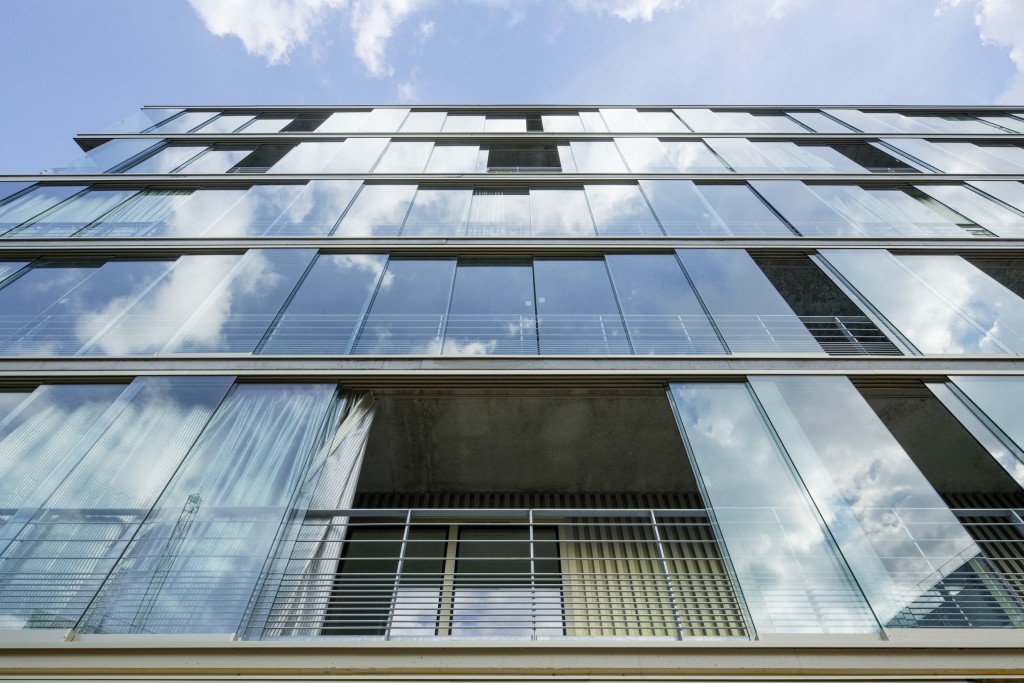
[536, 442]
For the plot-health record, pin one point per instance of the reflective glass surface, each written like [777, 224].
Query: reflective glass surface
[818, 122]
[183, 123]
[9, 188]
[167, 159]
[226, 123]
[65, 219]
[31, 204]
[405, 156]
[423, 122]
[377, 210]
[622, 120]
[141, 120]
[307, 157]
[108, 156]
[256, 211]
[804, 209]
[165, 213]
[499, 212]
[317, 208]
[323, 315]
[703, 121]
[217, 159]
[357, 155]
[592, 122]
[662, 122]
[501, 124]
[454, 159]
[741, 211]
[597, 156]
[463, 123]
[577, 310]
[561, 123]
[751, 316]
[791, 158]
[384, 120]
[267, 124]
[682, 209]
[986, 213]
[344, 122]
[742, 155]
[439, 211]
[491, 310]
[560, 211]
[621, 210]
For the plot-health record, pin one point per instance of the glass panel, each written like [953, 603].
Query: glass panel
[423, 122]
[226, 123]
[9, 188]
[940, 303]
[195, 561]
[557, 212]
[499, 212]
[454, 159]
[165, 213]
[566, 159]
[908, 215]
[1009, 122]
[409, 310]
[592, 122]
[383, 120]
[24, 298]
[663, 122]
[804, 210]
[9, 268]
[167, 159]
[317, 209]
[989, 158]
[883, 213]
[779, 123]
[322, 316]
[914, 561]
[75, 525]
[577, 310]
[30, 204]
[404, 156]
[751, 315]
[235, 318]
[377, 210]
[183, 123]
[140, 121]
[791, 158]
[307, 157]
[344, 122]
[792, 577]
[681, 208]
[154, 318]
[742, 122]
[741, 211]
[438, 211]
[742, 155]
[491, 311]
[494, 124]
[644, 155]
[703, 121]
[268, 124]
[256, 211]
[1008, 191]
[621, 210]
[984, 212]
[463, 123]
[663, 314]
[108, 156]
[623, 121]
[598, 156]
[955, 123]
[67, 218]
[819, 122]
[357, 155]
[217, 159]
[80, 313]
[933, 155]
[563, 123]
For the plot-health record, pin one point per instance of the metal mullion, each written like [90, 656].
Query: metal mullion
[398, 575]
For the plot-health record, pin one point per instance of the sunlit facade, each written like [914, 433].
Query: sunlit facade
[551, 392]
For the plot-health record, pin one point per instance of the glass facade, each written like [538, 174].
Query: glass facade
[517, 373]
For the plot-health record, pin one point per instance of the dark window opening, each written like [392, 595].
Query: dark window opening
[261, 159]
[523, 158]
[872, 158]
[306, 122]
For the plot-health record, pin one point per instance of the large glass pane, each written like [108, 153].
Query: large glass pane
[108, 156]
[9, 188]
[74, 526]
[884, 213]
[268, 124]
[940, 303]
[9, 268]
[915, 563]
[226, 123]
[24, 298]
[317, 208]
[704, 121]
[682, 209]
[741, 211]
[410, 308]
[989, 158]
[662, 312]
[593, 122]
[663, 122]
[742, 155]
[454, 159]
[1009, 122]
[194, 563]
[217, 159]
[67, 218]
[167, 159]
[561, 123]
[141, 120]
[235, 318]
[307, 157]
[423, 122]
[1009, 191]
[154, 318]
[183, 123]
[779, 123]
[256, 211]
[439, 211]
[576, 307]
[644, 155]
[819, 123]
[804, 210]
[557, 212]
[791, 158]
[31, 204]
[986, 213]
[499, 212]
[751, 315]
[622, 120]
[621, 210]
[165, 213]
[463, 123]
[692, 157]
[597, 156]
[344, 122]
[405, 156]
[505, 124]
[934, 156]
[491, 311]
[792, 577]
[384, 120]
[322, 316]
[357, 155]
[71, 321]
[742, 122]
[377, 210]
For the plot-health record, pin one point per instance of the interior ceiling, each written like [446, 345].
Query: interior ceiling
[536, 443]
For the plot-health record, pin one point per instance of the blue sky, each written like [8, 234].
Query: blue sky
[74, 66]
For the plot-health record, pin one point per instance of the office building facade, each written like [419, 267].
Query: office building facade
[415, 393]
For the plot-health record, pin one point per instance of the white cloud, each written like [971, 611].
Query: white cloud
[267, 28]
[426, 30]
[999, 22]
[373, 23]
[407, 92]
[627, 10]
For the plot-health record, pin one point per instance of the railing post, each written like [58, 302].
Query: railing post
[668, 576]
